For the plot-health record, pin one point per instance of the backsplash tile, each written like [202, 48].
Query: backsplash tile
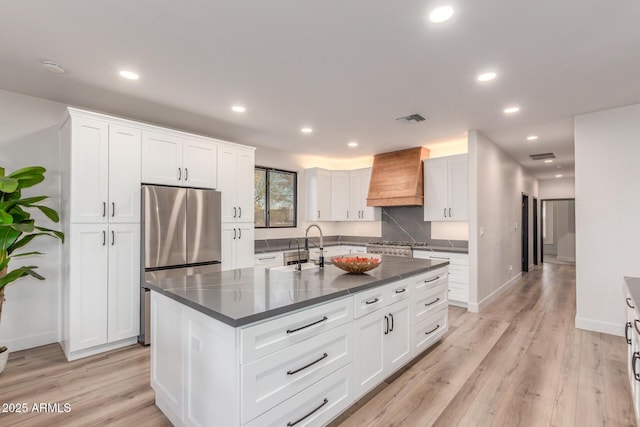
[407, 224]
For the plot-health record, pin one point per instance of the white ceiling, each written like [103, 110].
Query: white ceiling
[347, 68]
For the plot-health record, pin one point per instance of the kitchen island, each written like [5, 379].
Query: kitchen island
[257, 348]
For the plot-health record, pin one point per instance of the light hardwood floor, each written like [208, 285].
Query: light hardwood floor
[519, 362]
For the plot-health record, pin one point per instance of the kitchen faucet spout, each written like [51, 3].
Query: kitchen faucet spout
[298, 267]
[306, 243]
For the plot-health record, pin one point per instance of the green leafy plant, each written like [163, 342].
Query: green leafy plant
[17, 228]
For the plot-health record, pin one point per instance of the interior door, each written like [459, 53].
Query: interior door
[525, 233]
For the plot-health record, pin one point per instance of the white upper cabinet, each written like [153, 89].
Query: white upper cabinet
[173, 160]
[236, 167]
[318, 194]
[359, 189]
[446, 188]
[340, 195]
[105, 169]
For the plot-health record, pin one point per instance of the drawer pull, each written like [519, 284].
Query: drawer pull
[290, 331]
[267, 258]
[635, 357]
[324, 356]
[373, 301]
[391, 317]
[635, 325]
[440, 257]
[627, 327]
[432, 280]
[629, 303]
[386, 320]
[432, 302]
[292, 423]
[401, 290]
[433, 330]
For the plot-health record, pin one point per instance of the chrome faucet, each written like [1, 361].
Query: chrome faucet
[306, 243]
[299, 267]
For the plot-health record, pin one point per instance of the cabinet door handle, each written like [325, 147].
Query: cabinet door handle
[636, 356]
[290, 331]
[104, 238]
[292, 423]
[401, 290]
[347, 214]
[432, 280]
[179, 174]
[234, 234]
[386, 320]
[104, 209]
[113, 209]
[372, 301]
[113, 237]
[239, 233]
[235, 212]
[433, 330]
[627, 328]
[629, 303]
[449, 212]
[445, 212]
[635, 325]
[432, 302]
[239, 211]
[324, 356]
[318, 214]
[186, 174]
[391, 317]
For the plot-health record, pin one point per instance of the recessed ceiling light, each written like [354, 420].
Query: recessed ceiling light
[559, 175]
[532, 137]
[129, 75]
[352, 144]
[238, 109]
[511, 110]
[306, 130]
[52, 67]
[549, 161]
[485, 77]
[441, 14]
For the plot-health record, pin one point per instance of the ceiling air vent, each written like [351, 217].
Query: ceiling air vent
[542, 156]
[412, 118]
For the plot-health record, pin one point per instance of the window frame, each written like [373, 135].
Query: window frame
[267, 198]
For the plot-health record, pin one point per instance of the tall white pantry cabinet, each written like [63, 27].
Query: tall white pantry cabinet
[100, 194]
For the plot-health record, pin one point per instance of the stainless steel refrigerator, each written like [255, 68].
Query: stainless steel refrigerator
[181, 235]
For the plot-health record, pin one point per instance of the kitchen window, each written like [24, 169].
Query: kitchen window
[275, 198]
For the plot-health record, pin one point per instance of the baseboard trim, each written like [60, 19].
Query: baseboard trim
[79, 354]
[598, 326]
[31, 341]
[477, 308]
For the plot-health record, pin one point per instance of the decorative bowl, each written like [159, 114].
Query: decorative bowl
[356, 264]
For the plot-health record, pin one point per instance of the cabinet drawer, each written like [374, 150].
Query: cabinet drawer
[317, 405]
[430, 330]
[265, 338]
[273, 259]
[273, 379]
[459, 274]
[369, 301]
[426, 303]
[458, 292]
[429, 280]
[400, 290]
[453, 258]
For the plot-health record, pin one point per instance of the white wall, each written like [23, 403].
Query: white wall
[607, 151]
[496, 184]
[557, 188]
[298, 163]
[28, 136]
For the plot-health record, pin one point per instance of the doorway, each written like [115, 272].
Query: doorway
[558, 231]
[535, 231]
[525, 233]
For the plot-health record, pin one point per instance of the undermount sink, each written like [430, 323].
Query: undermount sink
[293, 267]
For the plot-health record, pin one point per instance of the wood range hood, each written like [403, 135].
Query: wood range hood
[397, 178]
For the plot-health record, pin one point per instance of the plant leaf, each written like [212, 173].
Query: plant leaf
[25, 227]
[14, 275]
[27, 253]
[30, 181]
[5, 218]
[31, 200]
[29, 170]
[22, 242]
[50, 213]
[58, 234]
[8, 185]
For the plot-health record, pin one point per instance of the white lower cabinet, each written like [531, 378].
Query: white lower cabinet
[238, 245]
[268, 260]
[303, 368]
[458, 281]
[102, 295]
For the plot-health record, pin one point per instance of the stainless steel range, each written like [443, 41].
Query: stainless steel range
[403, 249]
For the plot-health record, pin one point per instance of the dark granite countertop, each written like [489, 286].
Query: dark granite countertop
[243, 296]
